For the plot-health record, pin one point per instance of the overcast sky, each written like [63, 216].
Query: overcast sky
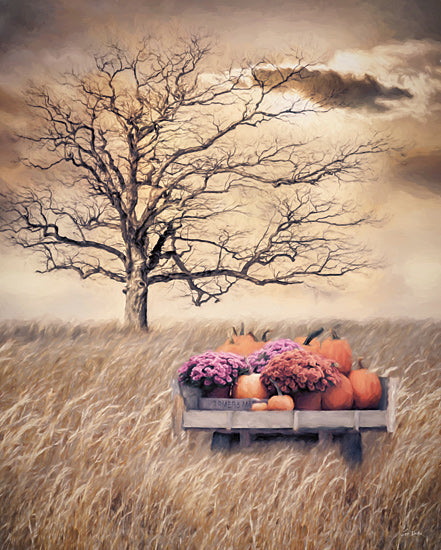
[385, 57]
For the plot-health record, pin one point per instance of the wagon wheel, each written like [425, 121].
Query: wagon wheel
[351, 447]
[220, 442]
[177, 413]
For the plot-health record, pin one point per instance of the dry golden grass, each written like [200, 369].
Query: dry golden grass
[88, 458]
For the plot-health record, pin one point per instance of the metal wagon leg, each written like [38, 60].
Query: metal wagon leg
[220, 442]
[351, 447]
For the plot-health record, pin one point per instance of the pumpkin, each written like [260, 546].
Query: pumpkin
[310, 342]
[249, 386]
[367, 388]
[242, 344]
[308, 400]
[338, 397]
[260, 406]
[280, 403]
[338, 350]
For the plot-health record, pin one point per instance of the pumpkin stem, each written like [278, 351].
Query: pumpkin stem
[276, 386]
[252, 336]
[334, 334]
[313, 335]
[360, 364]
[265, 335]
[242, 328]
[234, 331]
[250, 368]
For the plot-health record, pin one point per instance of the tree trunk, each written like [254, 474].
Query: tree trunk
[136, 297]
[136, 304]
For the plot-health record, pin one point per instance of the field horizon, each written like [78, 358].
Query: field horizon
[89, 457]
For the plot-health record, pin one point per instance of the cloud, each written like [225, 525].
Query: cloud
[10, 103]
[22, 20]
[12, 108]
[413, 65]
[330, 88]
[420, 171]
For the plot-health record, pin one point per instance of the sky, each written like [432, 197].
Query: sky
[383, 57]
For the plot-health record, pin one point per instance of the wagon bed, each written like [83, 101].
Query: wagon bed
[346, 425]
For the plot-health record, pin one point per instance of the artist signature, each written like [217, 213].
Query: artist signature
[408, 533]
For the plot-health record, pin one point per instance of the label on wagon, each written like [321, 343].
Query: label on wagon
[217, 403]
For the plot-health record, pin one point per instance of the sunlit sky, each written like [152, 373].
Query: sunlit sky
[397, 43]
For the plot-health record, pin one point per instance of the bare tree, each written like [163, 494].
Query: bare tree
[172, 174]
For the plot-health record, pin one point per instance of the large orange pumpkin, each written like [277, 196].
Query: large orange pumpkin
[308, 400]
[367, 388]
[310, 342]
[249, 386]
[242, 344]
[338, 397]
[338, 350]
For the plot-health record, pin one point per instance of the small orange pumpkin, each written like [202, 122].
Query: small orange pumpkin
[308, 400]
[280, 403]
[310, 342]
[338, 350]
[249, 386]
[260, 406]
[367, 388]
[338, 397]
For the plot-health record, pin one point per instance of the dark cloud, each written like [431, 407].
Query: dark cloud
[8, 147]
[22, 20]
[329, 88]
[11, 107]
[410, 19]
[420, 171]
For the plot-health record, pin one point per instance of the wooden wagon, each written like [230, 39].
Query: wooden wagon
[232, 419]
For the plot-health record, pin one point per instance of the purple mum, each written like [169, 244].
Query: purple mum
[260, 358]
[212, 369]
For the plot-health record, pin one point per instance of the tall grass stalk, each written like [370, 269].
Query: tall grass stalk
[89, 459]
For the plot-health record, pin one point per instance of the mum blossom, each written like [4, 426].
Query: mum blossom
[211, 369]
[261, 357]
[299, 369]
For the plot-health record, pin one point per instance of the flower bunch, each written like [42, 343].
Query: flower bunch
[299, 369]
[260, 358]
[212, 369]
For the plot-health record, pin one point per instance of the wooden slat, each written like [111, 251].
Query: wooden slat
[206, 419]
[308, 420]
[373, 419]
[392, 404]
[296, 420]
[263, 419]
[215, 404]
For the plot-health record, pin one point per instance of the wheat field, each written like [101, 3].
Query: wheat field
[89, 458]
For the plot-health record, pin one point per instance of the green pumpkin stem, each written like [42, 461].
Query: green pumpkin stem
[334, 334]
[265, 335]
[252, 335]
[242, 328]
[313, 335]
[276, 386]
